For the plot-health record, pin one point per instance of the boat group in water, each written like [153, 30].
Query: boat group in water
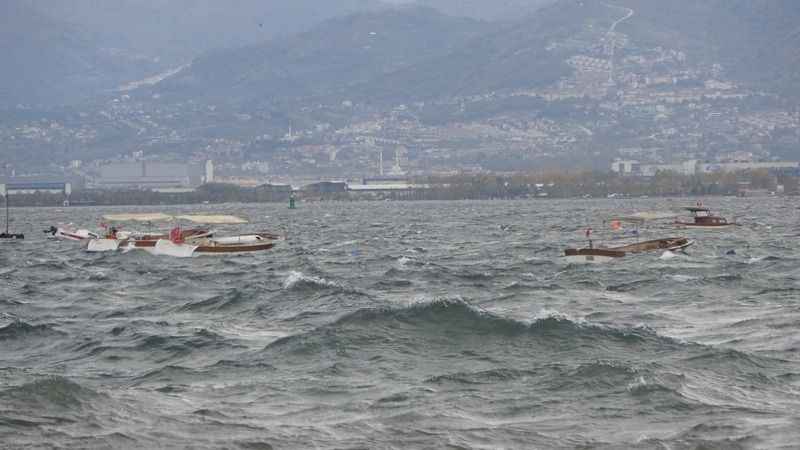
[197, 239]
[701, 219]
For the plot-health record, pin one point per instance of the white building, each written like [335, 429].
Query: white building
[694, 167]
[626, 167]
[209, 176]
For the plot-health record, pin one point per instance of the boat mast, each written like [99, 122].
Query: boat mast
[6, 211]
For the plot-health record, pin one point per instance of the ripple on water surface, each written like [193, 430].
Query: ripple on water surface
[413, 325]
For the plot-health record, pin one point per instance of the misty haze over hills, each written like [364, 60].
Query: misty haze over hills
[497, 85]
[178, 30]
[485, 10]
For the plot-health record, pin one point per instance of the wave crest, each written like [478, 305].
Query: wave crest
[22, 330]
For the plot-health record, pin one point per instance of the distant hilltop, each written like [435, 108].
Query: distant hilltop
[555, 84]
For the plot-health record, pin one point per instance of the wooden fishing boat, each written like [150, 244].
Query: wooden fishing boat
[149, 240]
[599, 255]
[182, 242]
[215, 246]
[703, 219]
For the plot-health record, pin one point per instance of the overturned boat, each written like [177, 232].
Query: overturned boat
[116, 238]
[68, 233]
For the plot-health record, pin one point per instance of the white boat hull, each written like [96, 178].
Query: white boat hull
[245, 239]
[588, 259]
[102, 245]
[169, 248]
[62, 234]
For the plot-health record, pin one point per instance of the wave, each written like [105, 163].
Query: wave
[769, 258]
[456, 320]
[158, 348]
[48, 393]
[168, 374]
[201, 339]
[22, 330]
[683, 278]
[725, 277]
[631, 285]
[741, 361]
[663, 394]
[522, 286]
[300, 281]
[785, 291]
[490, 376]
[229, 300]
[390, 284]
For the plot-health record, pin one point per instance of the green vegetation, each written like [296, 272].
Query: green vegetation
[560, 184]
[556, 184]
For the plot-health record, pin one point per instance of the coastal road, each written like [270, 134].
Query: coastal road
[611, 39]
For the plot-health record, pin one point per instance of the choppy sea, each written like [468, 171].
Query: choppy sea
[407, 325]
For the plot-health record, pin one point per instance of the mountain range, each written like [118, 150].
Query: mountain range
[176, 31]
[411, 54]
[50, 62]
[62, 51]
[339, 56]
[505, 10]
[542, 76]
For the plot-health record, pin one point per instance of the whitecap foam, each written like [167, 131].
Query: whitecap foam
[640, 382]
[294, 278]
[683, 278]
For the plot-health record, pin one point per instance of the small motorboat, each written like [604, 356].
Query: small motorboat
[600, 255]
[703, 219]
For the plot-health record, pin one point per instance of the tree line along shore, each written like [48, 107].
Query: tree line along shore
[545, 185]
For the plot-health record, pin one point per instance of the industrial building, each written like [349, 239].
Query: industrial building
[696, 167]
[153, 175]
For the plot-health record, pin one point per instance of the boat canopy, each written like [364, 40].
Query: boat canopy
[695, 209]
[645, 216]
[212, 219]
[138, 217]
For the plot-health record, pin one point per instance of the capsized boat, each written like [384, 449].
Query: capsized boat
[68, 233]
[703, 219]
[116, 239]
[601, 254]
